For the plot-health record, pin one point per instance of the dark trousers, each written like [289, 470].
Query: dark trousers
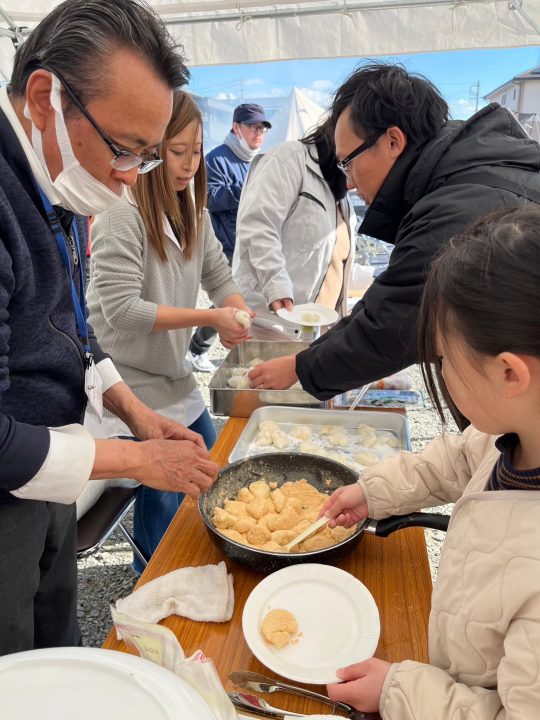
[38, 576]
[204, 337]
[202, 340]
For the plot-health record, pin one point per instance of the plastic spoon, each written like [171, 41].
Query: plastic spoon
[363, 390]
[306, 533]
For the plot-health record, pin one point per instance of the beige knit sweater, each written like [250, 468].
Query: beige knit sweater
[129, 281]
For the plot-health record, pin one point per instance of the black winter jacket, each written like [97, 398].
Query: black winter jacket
[432, 192]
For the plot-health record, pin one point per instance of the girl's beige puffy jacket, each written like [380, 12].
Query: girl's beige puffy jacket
[484, 628]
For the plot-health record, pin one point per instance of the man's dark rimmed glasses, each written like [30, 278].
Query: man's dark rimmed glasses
[123, 160]
[343, 165]
[257, 129]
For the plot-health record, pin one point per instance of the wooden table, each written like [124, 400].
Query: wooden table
[395, 569]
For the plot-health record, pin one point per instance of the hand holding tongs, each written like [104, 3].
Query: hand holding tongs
[255, 681]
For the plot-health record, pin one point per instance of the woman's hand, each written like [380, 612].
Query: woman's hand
[231, 332]
[362, 684]
[286, 303]
[276, 374]
[346, 506]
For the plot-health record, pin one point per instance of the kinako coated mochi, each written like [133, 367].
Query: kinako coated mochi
[278, 627]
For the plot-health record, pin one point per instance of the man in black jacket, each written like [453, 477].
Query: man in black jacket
[424, 179]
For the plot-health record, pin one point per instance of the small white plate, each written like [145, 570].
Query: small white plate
[338, 621]
[327, 316]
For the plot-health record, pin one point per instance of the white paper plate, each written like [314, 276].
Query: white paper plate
[93, 684]
[327, 316]
[336, 614]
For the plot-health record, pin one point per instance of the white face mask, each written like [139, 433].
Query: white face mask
[244, 143]
[78, 191]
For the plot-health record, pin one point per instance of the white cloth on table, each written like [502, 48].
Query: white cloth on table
[202, 593]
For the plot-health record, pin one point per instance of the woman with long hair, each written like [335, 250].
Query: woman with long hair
[151, 253]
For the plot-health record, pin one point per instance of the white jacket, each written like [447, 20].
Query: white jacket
[286, 230]
[484, 628]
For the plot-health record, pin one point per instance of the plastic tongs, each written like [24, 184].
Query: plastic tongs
[259, 683]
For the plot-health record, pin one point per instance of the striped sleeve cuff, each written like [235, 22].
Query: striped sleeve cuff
[66, 469]
[109, 374]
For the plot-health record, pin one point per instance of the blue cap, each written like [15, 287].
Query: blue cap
[250, 114]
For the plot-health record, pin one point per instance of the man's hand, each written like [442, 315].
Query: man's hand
[276, 374]
[362, 684]
[144, 423]
[150, 425]
[177, 466]
[172, 465]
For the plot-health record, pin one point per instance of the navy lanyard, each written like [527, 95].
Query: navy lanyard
[79, 304]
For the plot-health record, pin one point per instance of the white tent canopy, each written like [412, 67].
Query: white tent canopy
[217, 32]
[293, 121]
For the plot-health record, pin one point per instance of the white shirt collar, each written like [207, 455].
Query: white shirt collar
[41, 176]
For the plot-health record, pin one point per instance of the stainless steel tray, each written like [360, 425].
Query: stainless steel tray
[225, 400]
[288, 417]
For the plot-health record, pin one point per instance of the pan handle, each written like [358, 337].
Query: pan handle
[383, 528]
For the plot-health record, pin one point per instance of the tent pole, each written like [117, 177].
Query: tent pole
[271, 14]
[517, 5]
[15, 33]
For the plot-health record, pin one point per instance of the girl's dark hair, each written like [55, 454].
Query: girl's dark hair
[78, 36]
[382, 95]
[484, 288]
[323, 138]
[323, 133]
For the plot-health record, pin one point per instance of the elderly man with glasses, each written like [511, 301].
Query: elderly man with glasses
[75, 129]
[424, 179]
[226, 169]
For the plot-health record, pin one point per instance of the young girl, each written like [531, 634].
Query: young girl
[480, 329]
[150, 254]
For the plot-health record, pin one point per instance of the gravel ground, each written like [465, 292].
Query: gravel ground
[107, 575]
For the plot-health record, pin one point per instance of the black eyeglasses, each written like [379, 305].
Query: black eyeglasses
[257, 129]
[123, 160]
[343, 165]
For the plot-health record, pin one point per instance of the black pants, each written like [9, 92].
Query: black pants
[202, 340]
[204, 337]
[38, 576]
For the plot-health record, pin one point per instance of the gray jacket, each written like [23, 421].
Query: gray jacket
[286, 229]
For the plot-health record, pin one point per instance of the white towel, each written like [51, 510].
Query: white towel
[199, 593]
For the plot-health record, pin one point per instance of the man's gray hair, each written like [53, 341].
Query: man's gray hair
[78, 37]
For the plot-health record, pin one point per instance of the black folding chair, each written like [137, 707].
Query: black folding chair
[96, 526]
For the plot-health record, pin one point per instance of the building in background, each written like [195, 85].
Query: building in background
[521, 94]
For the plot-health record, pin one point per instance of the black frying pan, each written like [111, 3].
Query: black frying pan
[326, 475]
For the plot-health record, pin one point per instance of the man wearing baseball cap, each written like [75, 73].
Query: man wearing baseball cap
[226, 168]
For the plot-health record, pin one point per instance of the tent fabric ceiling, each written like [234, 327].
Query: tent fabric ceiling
[224, 32]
